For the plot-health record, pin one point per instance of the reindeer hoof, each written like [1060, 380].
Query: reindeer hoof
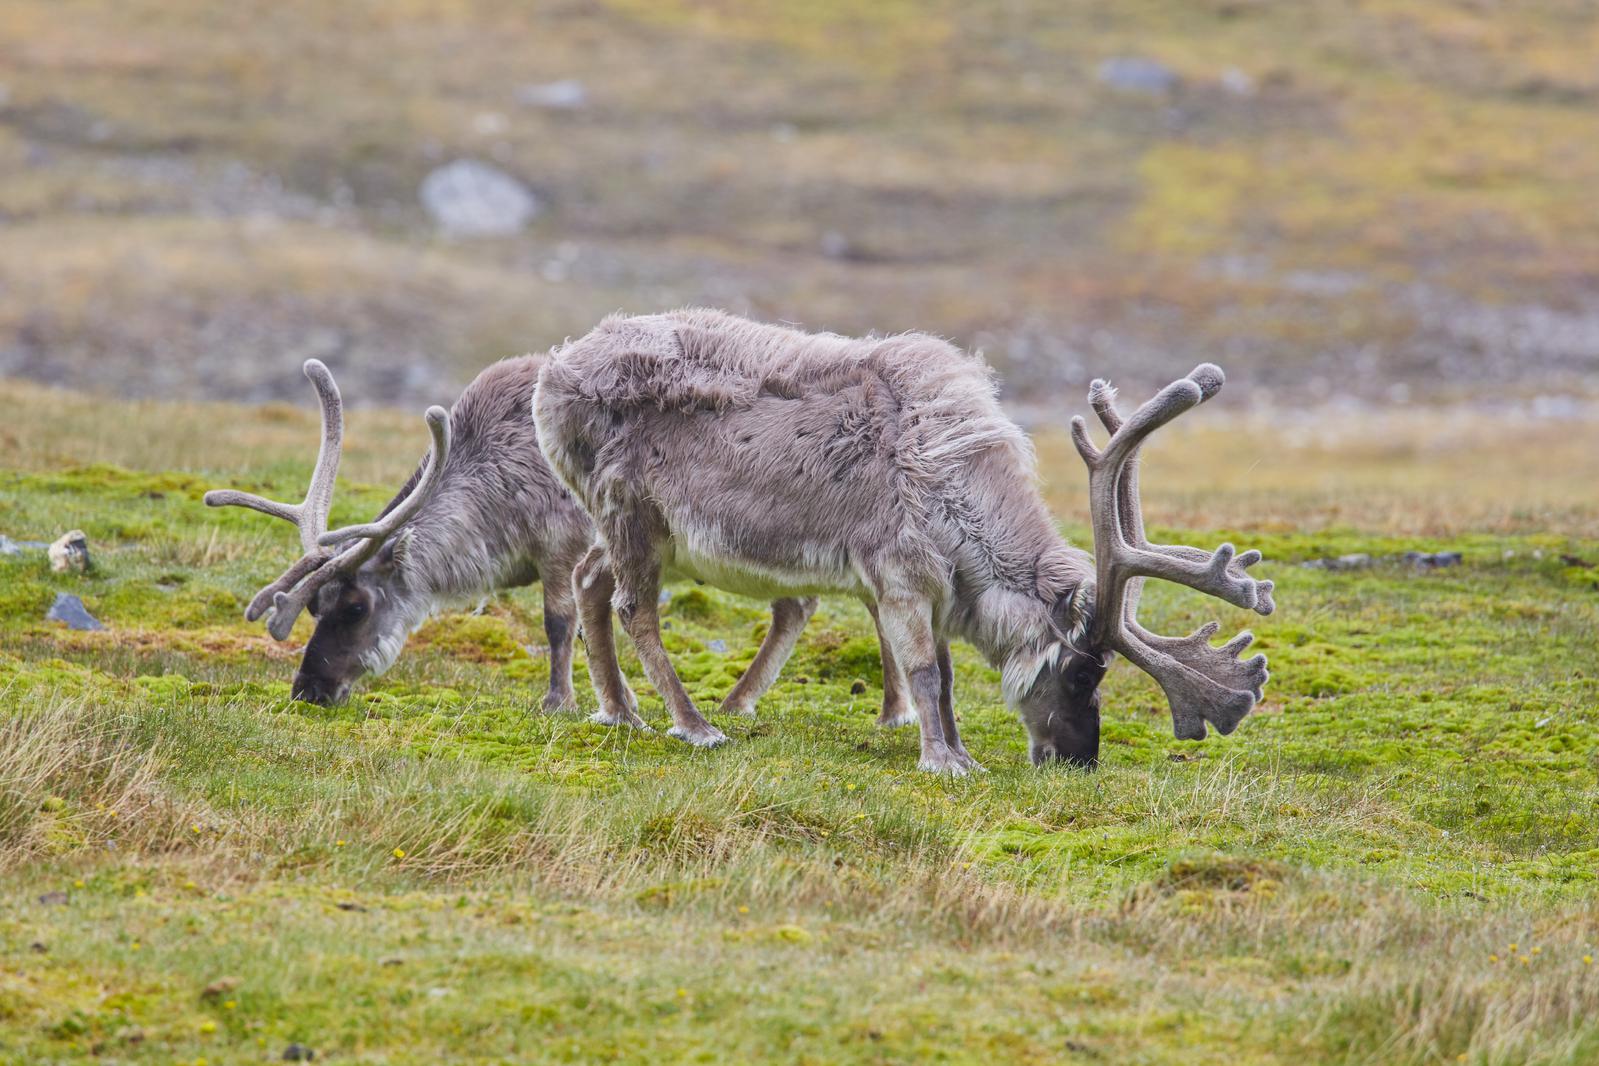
[944, 759]
[560, 703]
[744, 708]
[704, 735]
[893, 718]
[629, 718]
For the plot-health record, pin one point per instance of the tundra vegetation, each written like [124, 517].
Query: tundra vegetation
[1392, 860]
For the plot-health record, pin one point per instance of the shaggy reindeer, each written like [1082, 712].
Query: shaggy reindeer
[773, 462]
[482, 512]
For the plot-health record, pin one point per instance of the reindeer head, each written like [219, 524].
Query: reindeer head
[360, 594]
[1202, 683]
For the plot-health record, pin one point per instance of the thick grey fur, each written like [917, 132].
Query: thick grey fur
[780, 463]
[494, 516]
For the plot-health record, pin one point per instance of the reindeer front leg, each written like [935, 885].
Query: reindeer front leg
[636, 566]
[593, 586]
[897, 707]
[906, 623]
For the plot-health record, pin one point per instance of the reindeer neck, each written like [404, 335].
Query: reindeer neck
[1020, 591]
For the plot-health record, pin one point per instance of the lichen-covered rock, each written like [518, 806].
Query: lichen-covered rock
[70, 554]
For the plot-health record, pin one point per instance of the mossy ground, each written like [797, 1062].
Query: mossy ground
[1393, 860]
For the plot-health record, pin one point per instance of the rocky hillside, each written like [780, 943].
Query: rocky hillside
[1385, 198]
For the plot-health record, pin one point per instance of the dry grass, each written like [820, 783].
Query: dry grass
[69, 781]
[1426, 472]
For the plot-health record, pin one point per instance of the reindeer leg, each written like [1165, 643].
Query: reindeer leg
[788, 621]
[897, 707]
[907, 626]
[946, 704]
[593, 586]
[560, 620]
[637, 598]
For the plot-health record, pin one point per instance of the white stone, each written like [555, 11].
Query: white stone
[468, 198]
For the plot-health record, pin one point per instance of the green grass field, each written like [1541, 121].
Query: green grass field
[1392, 861]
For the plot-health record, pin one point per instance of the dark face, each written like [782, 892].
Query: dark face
[1062, 712]
[342, 645]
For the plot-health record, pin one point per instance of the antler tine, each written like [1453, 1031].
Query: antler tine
[293, 592]
[311, 514]
[1202, 683]
[438, 420]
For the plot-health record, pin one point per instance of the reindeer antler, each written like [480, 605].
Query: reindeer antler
[311, 514]
[293, 590]
[1202, 683]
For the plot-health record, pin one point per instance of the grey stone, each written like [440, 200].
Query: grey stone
[1137, 74]
[568, 94]
[17, 547]
[1432, 560]
[469, 198]
[1237, 82]
[718, 646]
[69, 609]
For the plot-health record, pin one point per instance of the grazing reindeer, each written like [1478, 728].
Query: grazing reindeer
[482, 512]
[774, 462]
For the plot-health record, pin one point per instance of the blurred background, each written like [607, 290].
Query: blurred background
[1360, 202]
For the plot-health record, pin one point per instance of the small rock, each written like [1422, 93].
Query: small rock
[1432, 560]
[58, 898]
[298, 1053]
[1237, 82]
[1137, 74]
[392, 960]
[1353, 561]
[39, 947]
[9, 546]
[488, 123]
[70, 610]
[469, 198]
[568, 94]
[836, 246]
[220, 987]
[857, 687]
[70, 553]
[718, 646]
[348, 905]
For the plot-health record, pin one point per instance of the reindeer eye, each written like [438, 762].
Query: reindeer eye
[353, 613]
[1085, 677]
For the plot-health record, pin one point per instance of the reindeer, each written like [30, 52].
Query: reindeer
[482, 512]
[774, 462]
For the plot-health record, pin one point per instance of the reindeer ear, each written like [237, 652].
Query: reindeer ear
[396, 551]
[1069, 617]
